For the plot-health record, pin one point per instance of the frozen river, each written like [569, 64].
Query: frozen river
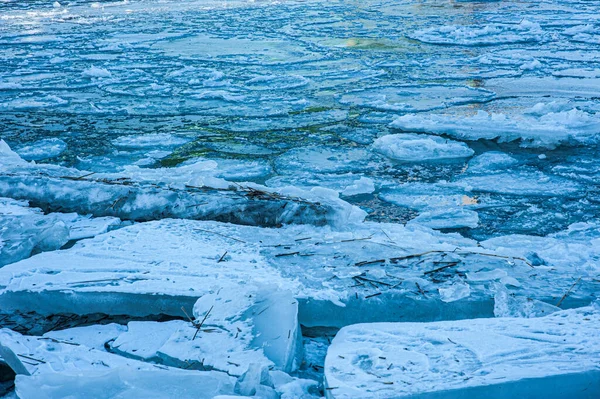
[379, 161]
[296, 93]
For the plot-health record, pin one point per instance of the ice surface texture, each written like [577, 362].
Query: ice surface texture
[552, 357]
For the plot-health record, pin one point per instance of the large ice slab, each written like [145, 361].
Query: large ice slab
[369, 272]
[236, 331]
[162, 267]
[554, 356]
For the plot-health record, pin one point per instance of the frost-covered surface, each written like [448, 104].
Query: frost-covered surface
[552, 357]
[342, 162]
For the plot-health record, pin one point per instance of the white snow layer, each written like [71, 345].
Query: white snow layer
[555, 356]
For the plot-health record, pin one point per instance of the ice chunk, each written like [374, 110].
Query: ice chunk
[364, 185]
[148, 194]
[96, 72]
[239, 328]
[524, 182]
[86, 227]
[425, 196]
[25, 231]
[507, 305]
[160, 140]
[455, 291]
[491, 161]
[418, 148]
[52, 368]
[346, 184]
[552, 357]
[30, 355]
[42, 149]
[482, 35]
[325, 160]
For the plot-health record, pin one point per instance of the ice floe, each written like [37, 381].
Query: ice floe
[537, 127]
[418, 148]
[157, 267]
[416, 98]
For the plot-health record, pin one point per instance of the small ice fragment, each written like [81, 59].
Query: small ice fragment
[96, 72]
[507, 305]
[454, 292]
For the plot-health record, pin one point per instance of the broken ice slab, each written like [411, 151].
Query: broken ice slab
[232, 332]
[95, 336]
[30, 355]
[42, 149]
[452, 218]
[126, 383]
[161, 267]
[25, 230]
[191, 191]
[420, 148]
[551, 357]
[369, 272]
[179, 344]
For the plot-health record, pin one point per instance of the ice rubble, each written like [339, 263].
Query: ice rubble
[482, 35]
[543, 125]
[190, 191]
[418, 148]
[552, 357]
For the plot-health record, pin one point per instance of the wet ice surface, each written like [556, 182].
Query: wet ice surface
[474, 124]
